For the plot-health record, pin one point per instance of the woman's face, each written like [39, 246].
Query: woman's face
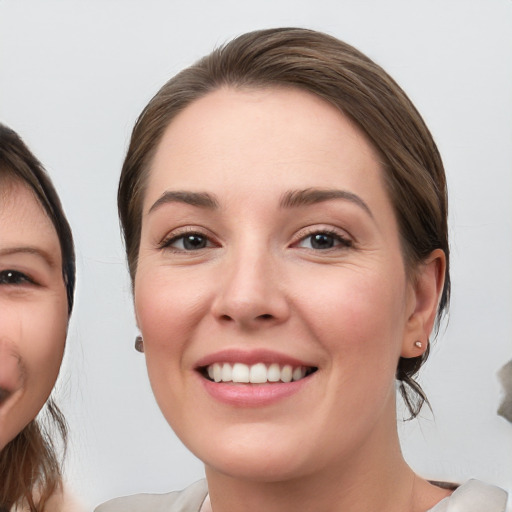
[33, 308]
[270, 252]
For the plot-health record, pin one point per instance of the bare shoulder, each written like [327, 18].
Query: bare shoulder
[64, 501]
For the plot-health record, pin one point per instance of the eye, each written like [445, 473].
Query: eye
[13, 277]
[187, 242]
[323, 240]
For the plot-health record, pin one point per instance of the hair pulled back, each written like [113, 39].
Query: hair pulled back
[351, 82]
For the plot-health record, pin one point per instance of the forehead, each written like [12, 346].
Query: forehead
[23, 219]
[260, 134]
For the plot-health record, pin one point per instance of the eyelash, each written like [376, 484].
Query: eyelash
[340, 241]
[11, 277]
[167, 242]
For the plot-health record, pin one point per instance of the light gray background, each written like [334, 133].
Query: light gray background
[73, 77]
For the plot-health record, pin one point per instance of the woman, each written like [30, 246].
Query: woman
[37, 280]
[285, 215]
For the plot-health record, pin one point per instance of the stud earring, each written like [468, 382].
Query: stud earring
[139, 344]
[417, 344]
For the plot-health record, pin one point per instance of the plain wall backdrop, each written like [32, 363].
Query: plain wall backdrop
[74, 75]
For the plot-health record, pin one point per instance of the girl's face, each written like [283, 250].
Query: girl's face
[33, 308]
[271, 291]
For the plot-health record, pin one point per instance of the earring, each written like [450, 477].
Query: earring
[417, 344]
[139, 344]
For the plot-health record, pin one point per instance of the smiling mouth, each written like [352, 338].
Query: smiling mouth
[259, 373]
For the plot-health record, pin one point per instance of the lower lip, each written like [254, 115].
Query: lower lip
[252, 395]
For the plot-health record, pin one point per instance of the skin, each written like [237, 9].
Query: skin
[261, 283]
[33, 308]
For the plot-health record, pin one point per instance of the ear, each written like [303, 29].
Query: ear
[423, 301]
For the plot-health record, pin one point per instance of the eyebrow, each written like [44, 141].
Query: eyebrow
[10, 251]
[297, 198]
[200, 199]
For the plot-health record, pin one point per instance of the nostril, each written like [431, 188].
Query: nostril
[266, 316]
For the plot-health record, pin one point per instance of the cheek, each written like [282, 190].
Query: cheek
[161, 302]
[36, 332]
[43, 337]
[356, 311]
[168, 308]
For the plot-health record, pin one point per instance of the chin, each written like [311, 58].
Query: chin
[255, 460]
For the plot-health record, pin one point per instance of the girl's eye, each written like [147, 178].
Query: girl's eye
[187, 242]
[13, 277]
[323, 240]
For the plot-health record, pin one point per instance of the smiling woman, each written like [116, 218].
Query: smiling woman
[37, 278]
[285, 214]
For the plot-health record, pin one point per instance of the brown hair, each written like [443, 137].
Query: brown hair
[354, 84]
[29, 467]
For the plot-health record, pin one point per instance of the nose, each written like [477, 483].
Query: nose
[251, 294]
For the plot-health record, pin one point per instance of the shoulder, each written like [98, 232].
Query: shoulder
[474, 496]
[62, 500]
[187, 500]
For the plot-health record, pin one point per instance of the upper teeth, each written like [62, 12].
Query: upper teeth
[255, 374]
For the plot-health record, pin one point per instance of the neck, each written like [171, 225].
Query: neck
[310, 494]
[371, 477]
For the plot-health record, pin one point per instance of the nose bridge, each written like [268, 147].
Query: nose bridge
[249, 273]
[250, 290]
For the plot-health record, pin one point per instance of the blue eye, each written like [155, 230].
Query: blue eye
[13, 277]
[322, 240]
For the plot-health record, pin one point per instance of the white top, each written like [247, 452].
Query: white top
[473, 496]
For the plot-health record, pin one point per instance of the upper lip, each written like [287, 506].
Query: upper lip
[250, 357]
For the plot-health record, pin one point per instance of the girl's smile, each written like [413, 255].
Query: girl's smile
[252, 379]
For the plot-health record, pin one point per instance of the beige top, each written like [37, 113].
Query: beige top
[473, 496]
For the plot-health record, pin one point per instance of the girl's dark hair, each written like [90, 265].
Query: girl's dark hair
[351, 82]
[29, 466]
